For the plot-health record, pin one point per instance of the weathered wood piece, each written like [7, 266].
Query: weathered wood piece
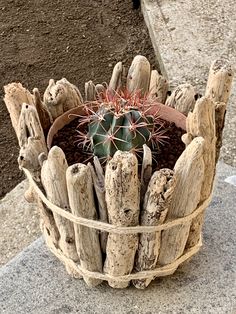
[146, 171]
[218, 89]
[156, 205]
[116, 77]
[158, 87]
[99, 186]
[15, 96]
[100, 90]
[219, 81]
[53, 178]
[60, 97]
[189, 173]
[182, 98]
[31, 140]
[138, 78]
[48, 221]
[201, 122]
[81, 200]
[43, 113]
[122, 198]
[89, 91]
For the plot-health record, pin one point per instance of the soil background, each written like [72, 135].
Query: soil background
[41, 39]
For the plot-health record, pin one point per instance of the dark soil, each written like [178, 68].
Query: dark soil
[164, 157]
[79, 40]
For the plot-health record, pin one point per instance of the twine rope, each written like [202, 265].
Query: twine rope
[103, 226]
[77, 270]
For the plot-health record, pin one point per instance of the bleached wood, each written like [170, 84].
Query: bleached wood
[219, 81]
[189, 174]
[81, 200]
[48, 222]
[99, 89]
[139, 73]
[60, 97]
[182, 98]
[53, 177]
[89, 91]
[122, 197]
[158, 87]
[146, 171]
[218, 89]
[116, 78]
[99, 186]
[15, 96]
[31, 139]
[156, 205]
[43, 113]
[201, 122]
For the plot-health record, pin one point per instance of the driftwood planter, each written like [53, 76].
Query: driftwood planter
[121, 226]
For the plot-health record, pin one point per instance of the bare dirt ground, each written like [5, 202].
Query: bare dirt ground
[39, 40]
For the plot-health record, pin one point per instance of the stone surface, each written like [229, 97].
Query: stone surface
[187, 36]
[19, 223]
[36, 282]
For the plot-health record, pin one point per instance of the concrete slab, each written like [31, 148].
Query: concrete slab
[187, 36]
[36, 282]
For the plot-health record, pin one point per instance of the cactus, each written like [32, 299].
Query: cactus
[120, 123]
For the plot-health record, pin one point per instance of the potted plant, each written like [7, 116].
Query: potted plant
[127, 207]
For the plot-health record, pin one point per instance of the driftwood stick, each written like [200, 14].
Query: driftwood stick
[158, 87]
[43, 113]
[182, 98]
[146, 171]
[115, 81]
[49, 222]
[80, 191]
[60, 97]
[99, 182]
[53, 177]
[15, 96]
[156, 205]
[89, 91]
[138, 78]
[31, 140]
[189, 174]
[219, 81]
[122, 198]
[218, 89]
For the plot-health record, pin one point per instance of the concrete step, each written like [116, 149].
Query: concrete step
[36, 282]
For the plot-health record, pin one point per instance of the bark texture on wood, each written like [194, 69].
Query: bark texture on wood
[146, 171]
[116, 78]
[60, 97]
[53, 177]
[99, 186]
[219, 81]
[15, 96]
[158, 87]
[31, 139]
[156, 205]
[43, 113]
[122, 197]
[182, 98]
[48, 222]
[138, 78]
[81, 200]
[89, 91]
[189, 174]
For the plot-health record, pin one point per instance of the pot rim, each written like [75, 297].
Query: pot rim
[165, 112]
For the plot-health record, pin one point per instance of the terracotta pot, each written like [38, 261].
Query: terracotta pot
[166, 113]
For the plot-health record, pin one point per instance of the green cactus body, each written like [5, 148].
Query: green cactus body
[126, 131]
